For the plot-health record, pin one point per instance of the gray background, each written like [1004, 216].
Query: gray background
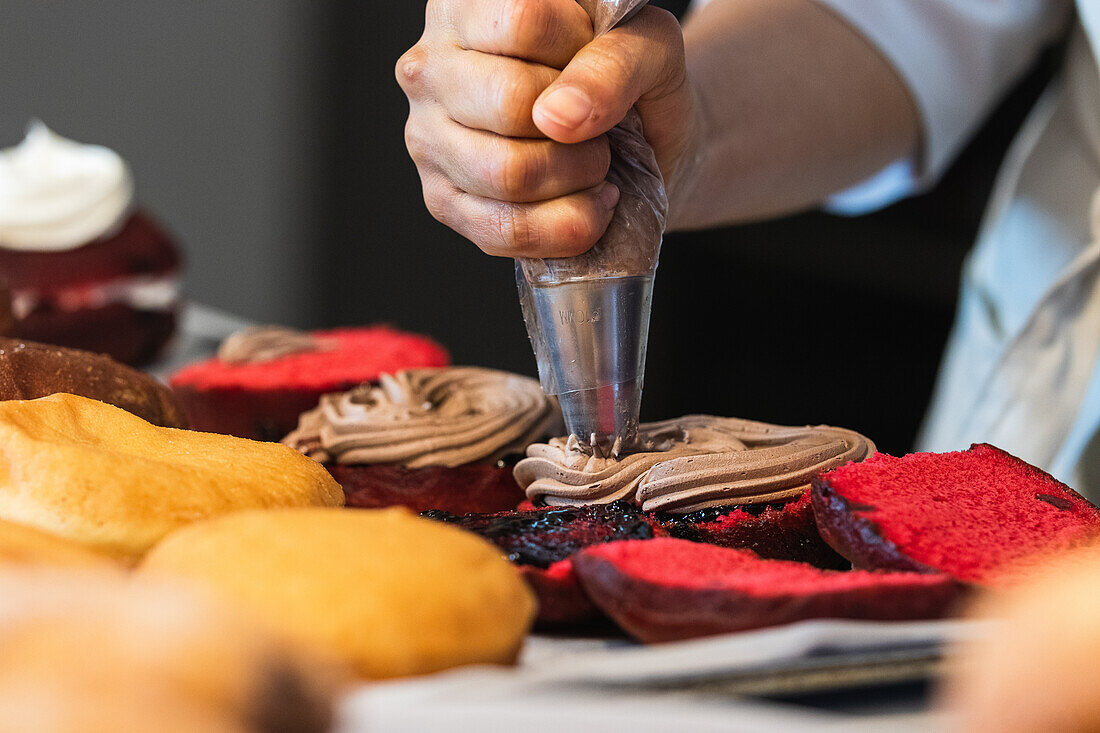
[211, 103]
[268, 137]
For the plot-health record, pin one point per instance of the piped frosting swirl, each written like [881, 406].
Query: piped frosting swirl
[427, 417]
[57, 195]
[258, 344]
[691, 463]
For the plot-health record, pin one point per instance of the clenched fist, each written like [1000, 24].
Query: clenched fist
[510, 101]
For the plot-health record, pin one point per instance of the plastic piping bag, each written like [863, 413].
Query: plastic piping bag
[588, 316]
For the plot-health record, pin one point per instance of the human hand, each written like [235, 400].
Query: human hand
[510, 101]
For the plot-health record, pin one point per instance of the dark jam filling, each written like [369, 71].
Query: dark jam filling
[711, 514]
[541, 538]
[687, 526]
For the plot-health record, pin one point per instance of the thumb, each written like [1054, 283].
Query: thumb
[639, 63]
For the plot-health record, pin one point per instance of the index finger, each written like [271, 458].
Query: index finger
[548, 32]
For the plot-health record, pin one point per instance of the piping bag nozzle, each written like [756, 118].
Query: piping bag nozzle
[589, 338]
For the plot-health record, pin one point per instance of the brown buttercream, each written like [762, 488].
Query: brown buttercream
[257, 344]
[691, 463]
[427, 417]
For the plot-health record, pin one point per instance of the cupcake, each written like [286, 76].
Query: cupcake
[429, 439]
[85, 268]
[264, 377]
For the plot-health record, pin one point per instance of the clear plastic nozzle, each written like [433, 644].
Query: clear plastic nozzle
[590, 340]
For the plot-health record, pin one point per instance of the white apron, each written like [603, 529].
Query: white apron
[1021, 368]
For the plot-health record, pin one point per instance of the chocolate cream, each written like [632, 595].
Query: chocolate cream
[428, 417]
[257, 344]
[691, 463]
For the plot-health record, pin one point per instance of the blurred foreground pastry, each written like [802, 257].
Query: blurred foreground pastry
[1035, 669]
[23, 546]
[30, 370]
[391, 593]
[96, 474]
[100, 654]
[85, 268]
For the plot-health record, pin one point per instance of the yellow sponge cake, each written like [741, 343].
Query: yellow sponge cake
[96, 474]
[389, 592]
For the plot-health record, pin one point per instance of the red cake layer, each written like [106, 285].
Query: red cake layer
[978, 515]
[785, 532]
[48, 283]
[669, 589]
[268, 415]
[360, 355]
[140, 247]
[459, 490]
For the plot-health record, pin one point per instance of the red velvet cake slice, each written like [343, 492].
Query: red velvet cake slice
[784, 532]
[669, 589]
[980, 515]
[274, 375]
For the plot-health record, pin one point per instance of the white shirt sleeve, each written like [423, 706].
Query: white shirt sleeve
[958, 57]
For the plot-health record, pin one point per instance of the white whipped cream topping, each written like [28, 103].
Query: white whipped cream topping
[56, 194]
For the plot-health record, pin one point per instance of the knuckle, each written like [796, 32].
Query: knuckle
[513, 228]
[615, 59]
[575, 233]
[438, 12]
[523, 22]
[515, 173]
[663, 24]
[437, 199]
[515, 96]
[411, 70]
[665, 37]
[416, 141]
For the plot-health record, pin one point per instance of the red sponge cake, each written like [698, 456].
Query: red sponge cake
[979, 515]
[283, 373]
[668, 589]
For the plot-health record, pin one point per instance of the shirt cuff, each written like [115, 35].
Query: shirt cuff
[957, 57]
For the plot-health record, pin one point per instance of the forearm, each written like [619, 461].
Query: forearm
[793, 105]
